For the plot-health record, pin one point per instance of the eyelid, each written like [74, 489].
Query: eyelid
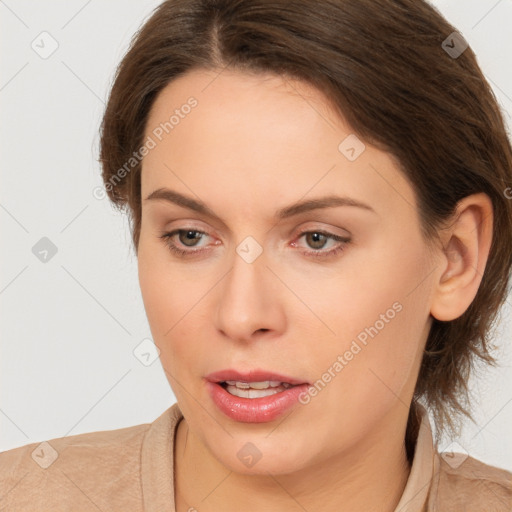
[322, 228]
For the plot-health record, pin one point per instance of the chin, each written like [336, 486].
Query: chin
[255, 456]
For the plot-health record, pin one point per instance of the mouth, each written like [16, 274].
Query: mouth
[255, 396]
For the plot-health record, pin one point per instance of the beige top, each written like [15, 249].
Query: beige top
[131, 469]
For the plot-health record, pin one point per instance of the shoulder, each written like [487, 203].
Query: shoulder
[465, 483]
[88, 470]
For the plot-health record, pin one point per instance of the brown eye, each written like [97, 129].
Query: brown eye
[188, 237]
[316, 240]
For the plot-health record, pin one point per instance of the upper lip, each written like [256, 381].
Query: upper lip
[251, 376]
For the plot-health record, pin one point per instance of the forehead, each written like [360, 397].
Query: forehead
[260, 138]
[276, 111]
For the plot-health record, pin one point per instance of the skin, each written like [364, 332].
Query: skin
[255, 144]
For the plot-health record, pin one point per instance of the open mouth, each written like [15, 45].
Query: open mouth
[254, 397]
[254, 389]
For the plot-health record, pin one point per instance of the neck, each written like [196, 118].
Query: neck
[370, 476]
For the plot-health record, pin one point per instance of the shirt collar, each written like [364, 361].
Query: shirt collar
[157, 462]
[414, 497]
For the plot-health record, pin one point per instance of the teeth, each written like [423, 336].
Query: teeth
[257, 385]
[255, 389]
[252, 393]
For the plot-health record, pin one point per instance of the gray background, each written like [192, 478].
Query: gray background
[70, 325]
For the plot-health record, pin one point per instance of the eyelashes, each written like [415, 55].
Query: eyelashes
[192, 234]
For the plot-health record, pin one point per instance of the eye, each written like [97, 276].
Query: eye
[187, 237]
[316, 239]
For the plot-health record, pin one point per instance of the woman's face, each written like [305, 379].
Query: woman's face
[337, 297]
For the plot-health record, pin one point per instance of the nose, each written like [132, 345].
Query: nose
[250, 301]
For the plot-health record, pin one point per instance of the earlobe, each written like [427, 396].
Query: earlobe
[466, 244]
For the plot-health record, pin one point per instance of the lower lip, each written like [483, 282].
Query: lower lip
[254, 410]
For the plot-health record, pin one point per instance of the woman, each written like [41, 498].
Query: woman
[319, 196]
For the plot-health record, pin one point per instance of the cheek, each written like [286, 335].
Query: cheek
[163, 299]
[157, 300]
[380, 314]
[172, 301]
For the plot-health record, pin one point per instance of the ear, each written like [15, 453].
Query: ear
[466, 242]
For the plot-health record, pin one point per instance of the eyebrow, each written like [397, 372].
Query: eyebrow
[297, 208]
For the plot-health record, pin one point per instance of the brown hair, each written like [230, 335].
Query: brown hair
[383, 66]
